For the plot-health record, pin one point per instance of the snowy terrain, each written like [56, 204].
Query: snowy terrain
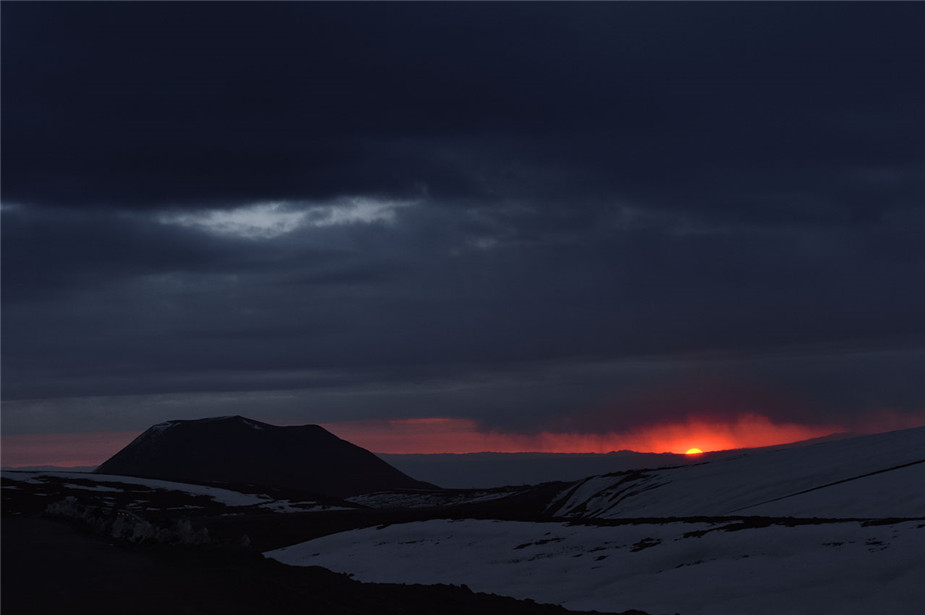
[870, 476]
[845, 567]
[835, 527]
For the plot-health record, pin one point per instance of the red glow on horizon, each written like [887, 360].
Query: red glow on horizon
[459, 435]
[456, 435]
[63, 449]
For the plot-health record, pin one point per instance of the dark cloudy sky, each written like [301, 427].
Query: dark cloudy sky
[559, 217]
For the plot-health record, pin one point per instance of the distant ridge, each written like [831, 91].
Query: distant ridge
[235, 449]
[484, 470]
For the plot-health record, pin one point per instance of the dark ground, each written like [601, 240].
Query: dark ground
[71, 564]
[52, 567]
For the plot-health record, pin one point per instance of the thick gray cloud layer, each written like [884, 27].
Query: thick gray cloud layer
[547, 216]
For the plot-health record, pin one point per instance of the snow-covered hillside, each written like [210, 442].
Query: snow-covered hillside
[872, 476]
[690, 568]
[836, 527]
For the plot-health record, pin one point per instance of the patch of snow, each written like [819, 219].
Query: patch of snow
[288, 506]
[249, 423]
[92, 487]
[161, 427]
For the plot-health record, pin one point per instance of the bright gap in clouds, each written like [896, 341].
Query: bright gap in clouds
[266, 220]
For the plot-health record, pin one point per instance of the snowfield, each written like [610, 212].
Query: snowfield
[835, 527]
[871, 476]
[674, 567]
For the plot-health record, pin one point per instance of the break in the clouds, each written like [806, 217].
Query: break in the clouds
[268, 220]
[263, 220]
[558, 218]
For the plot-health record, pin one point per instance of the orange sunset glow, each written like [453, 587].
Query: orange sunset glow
[458, 435]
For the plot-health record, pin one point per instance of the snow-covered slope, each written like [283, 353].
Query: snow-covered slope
[872, 476]
[778, 532]
[692, 568]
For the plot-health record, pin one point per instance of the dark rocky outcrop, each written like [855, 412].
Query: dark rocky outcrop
[237, 450]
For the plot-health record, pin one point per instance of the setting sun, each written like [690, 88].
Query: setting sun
[693, 451]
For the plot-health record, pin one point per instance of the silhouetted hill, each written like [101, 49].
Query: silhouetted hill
[243, 451]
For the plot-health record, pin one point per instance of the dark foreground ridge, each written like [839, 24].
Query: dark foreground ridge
[50, 567]
[239, 450]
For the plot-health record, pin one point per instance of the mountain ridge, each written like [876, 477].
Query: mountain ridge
[239, 450]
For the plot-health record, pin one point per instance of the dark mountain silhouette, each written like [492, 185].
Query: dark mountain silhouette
[243, 451]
